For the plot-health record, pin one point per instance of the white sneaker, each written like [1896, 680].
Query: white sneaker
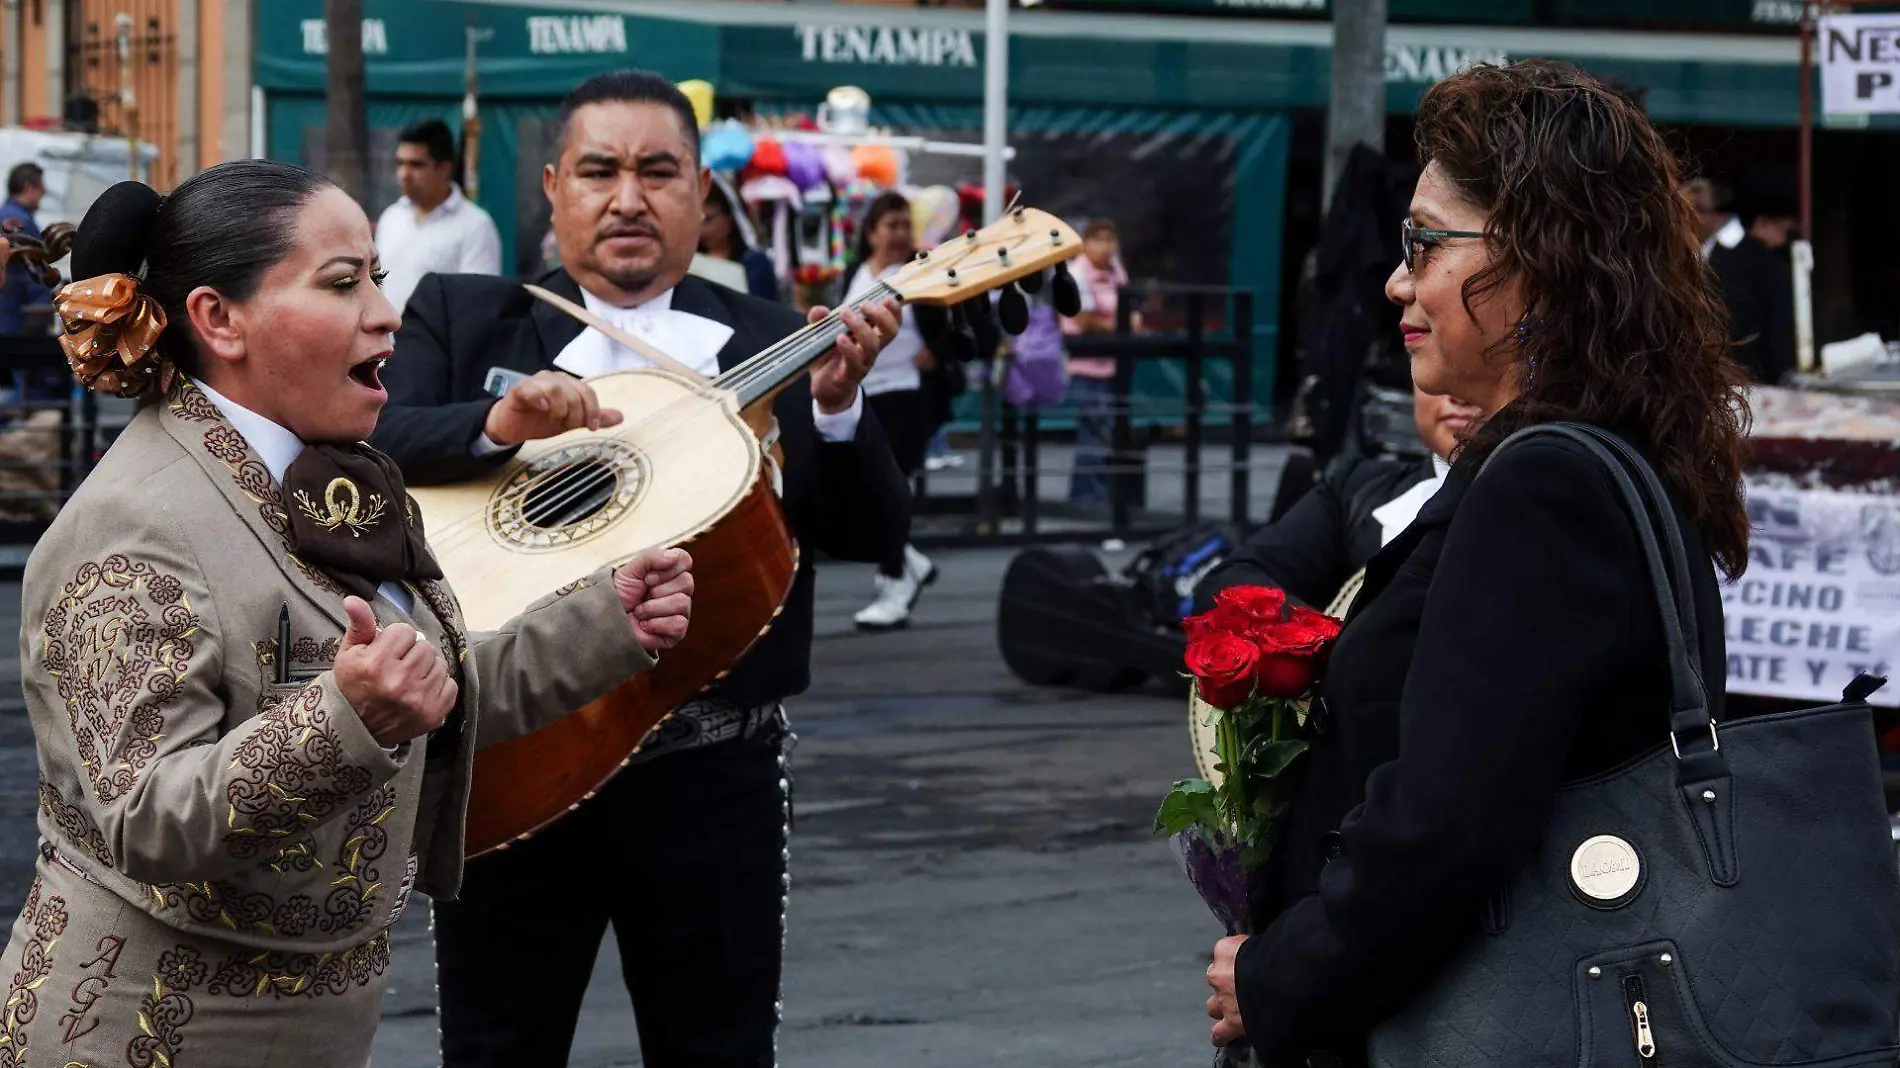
[917, 566]
[891, 609]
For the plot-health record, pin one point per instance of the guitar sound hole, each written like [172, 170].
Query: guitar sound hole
[569, 495]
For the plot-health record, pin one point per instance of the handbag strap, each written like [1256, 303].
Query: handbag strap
[1650, 508]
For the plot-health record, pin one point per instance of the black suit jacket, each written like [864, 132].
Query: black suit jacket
[1323, 540]
[1758, 284]
[1505, 643]
[846, 499]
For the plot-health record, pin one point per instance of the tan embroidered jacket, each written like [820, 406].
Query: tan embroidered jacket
[176, 771]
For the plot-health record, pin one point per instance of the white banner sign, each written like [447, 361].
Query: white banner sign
[1860, 64]
[1820, 601]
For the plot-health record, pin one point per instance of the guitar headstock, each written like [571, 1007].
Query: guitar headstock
[1021, 243]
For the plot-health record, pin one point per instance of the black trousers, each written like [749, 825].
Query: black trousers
[908, 427]
[684, 857]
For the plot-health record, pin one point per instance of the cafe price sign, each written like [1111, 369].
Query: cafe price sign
[1860, 64]
[1820, 600]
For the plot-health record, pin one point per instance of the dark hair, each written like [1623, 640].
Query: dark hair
[881, 205]
[735, 241]
[224, 227]
[630, 86]
[24, 175]
[434, 135]
[1622, 324]
[1098, 226]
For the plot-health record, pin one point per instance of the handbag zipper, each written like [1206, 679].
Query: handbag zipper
[1639, 1017]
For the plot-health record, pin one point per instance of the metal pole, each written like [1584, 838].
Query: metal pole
[1801, 255]
[1807, 119]
[1356, 114]
[995, 134]
[995, 104]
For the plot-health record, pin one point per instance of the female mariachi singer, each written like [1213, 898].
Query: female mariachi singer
[253, 698]
[1507, 641]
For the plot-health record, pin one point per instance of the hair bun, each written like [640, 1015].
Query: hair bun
[116, 232]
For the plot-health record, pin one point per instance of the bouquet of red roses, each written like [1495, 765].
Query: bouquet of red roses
[1254, 660]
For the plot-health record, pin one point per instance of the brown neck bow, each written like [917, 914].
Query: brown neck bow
[112, 334]
[350, 516]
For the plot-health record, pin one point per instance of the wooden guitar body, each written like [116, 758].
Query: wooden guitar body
[685, 469]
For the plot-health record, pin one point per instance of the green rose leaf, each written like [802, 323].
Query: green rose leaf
[1269, 758]
[1191, 802]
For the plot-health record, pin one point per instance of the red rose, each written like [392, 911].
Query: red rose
[1287, 675]
[1261, 604]
[1222, 619]
[1291, 652]
[1223, 667]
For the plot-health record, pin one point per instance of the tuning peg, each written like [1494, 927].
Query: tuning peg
[1031, 282]
[1068, 297]
[1012, 310]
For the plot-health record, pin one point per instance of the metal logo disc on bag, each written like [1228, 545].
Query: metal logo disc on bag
[1606, 870]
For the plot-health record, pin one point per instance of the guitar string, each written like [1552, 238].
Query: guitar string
[574, 481]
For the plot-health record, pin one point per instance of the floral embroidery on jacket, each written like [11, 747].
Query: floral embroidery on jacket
[212, 902]
[353, 892]
[74, 823]
[119, 640]
[309, 975]
[288, 775]
[45, 916]
[164, 1012]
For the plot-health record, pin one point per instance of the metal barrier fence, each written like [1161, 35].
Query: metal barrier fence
[1149, 440]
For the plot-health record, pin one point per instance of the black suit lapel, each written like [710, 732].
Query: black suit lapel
[696, 297]
[1436, 515]
[554, 327]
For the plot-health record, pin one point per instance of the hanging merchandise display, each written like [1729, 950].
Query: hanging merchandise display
[727, 146]
[805, 166]
[878, 163]
[700, 94]
[933, 214]
[768, 159]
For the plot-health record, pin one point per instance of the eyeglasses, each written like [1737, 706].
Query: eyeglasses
[1416, 239]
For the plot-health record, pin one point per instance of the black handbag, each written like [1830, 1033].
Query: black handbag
[1728, 899]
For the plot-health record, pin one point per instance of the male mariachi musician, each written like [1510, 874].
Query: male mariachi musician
[683, 853]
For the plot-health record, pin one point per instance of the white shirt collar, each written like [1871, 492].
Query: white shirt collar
[449, 206]
[693, 340]
[1398, 513]
[275, 445]
[614, 313]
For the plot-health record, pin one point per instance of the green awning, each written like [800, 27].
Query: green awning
[539, 50]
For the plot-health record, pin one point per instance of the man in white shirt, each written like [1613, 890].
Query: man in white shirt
[1716, 227]
[433, 228]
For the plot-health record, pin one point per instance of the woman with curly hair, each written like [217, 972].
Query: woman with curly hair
[1508, 641]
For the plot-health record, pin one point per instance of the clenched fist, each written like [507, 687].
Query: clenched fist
[550, 403]
[398, 683]
[656, 591]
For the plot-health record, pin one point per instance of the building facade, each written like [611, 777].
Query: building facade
[174, 73]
